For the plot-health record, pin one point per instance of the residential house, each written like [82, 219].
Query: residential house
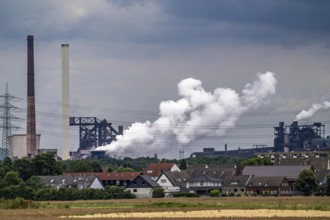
[202, 185]
[142, 186]
[235, 185]
[154, 170]
[110, 178]
[77, 182]
[263, 185]
[173, 182]
[290, 172]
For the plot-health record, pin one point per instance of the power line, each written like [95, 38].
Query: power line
[143, 112]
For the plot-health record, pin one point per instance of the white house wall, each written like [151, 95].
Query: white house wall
[96, 184]
[175, 168]
[166, 184]
[202, 184]
[141, 192]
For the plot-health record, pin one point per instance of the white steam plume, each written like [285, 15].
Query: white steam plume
[196, 115]
[310, 112]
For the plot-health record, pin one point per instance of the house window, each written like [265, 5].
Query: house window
[202, 183]
[163, 181]
[135, 190]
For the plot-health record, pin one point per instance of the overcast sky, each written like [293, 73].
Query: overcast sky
[126, 57]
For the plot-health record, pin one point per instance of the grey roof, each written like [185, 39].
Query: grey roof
[137, 182]
[149, 180]
[178, 178]
[290, 172]
[319, 163]
[220, 172]
[204, 178]
[68, 181]
[265, 181]
[236, 181]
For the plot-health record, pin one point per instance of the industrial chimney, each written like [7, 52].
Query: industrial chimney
[31, 145]
[65, 103]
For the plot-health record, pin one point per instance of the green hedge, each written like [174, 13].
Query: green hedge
[185, 194]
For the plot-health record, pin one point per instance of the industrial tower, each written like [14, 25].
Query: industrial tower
[65, 103]
[6, 149]
[31, 137]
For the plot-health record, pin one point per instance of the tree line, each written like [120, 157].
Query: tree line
[19, 179]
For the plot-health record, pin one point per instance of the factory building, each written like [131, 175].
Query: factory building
[293, 138]
[19, 146]
[300, 137]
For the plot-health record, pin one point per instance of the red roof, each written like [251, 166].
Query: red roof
[108, 175]
[155, 169]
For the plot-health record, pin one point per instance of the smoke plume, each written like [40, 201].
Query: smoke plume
[196, 115]
[310, 112]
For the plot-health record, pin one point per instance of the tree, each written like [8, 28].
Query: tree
[306, 182]
[7, 164]
[158, 193]
[124, 169]
[327, 186]
[12, 178]
[45, 164]
[86, 165]
[35, 183]
[24, 168]
[256, 162]
[183, 164]
[214, 193]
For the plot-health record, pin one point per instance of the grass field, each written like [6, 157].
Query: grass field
[249, 207]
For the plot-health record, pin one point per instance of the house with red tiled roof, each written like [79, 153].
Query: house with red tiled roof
[110, 178]
[154, 170]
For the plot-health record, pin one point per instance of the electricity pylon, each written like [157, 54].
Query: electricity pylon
[6, 108]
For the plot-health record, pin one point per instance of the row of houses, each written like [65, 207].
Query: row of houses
[201, 179]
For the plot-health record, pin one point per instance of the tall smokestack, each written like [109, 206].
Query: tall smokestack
[31, 113]
[65, 103]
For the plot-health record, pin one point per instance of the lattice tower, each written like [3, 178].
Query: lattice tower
[7, 117]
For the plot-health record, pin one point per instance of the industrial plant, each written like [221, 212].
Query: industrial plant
[94, 133]
[293, 138]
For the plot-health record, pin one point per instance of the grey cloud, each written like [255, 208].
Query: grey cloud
[170, 22]
[293, 14]
[279, 21]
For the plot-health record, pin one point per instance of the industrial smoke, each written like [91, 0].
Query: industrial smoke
[304, 114]
[197, 114]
